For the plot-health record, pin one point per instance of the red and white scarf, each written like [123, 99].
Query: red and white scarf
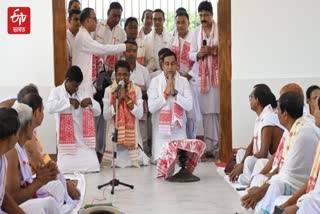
[208, 67]
[126, 120]
[110, 60]
[315, 170]
[66, 132]
[294, 131]
[170, 117]
[3, 177]
[184, 64]
[278, 154]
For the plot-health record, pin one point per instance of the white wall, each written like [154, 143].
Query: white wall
[274, 42]
[29, 58]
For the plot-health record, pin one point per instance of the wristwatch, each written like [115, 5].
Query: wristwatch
[174, 93]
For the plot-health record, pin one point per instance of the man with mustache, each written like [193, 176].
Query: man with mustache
[204, 52]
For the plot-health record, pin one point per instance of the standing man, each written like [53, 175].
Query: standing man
[181, 47]
[169, 99]
[74, 21]
[109, 32]
[147, 23]
[158, 38]
[82, 55]
[73, 4]
[131, 28]
[139, 75]
[204, 52]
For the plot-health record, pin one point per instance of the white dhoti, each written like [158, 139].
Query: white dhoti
[309, 205]
[143, 124]
[240, 154]
[275, 190]
[260, 164]
[252, 166]
[123, 158]
[101, 127]
[211, 124]
[258, 180]
[191, 128]
[41, 206]
[85, 160]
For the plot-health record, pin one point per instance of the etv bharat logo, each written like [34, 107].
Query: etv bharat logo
[19, 20]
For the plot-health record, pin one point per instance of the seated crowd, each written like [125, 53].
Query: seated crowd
[286, 177]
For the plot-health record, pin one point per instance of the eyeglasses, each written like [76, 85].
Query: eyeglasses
[94, 18]
[251, 97]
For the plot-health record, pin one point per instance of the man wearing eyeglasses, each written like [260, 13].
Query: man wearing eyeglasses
[83, 51]
[156, 40]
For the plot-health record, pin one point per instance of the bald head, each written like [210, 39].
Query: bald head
[292, 87]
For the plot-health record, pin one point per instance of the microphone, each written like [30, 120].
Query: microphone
[120, 85]
[204, 43]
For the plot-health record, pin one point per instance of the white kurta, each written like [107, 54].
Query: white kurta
[140, 77]
[123, 159]
[105, 35]
[70, 41]
[310, 203]
[297, 165]
[194, 115]
[86, 159]
[116, 35]
[83, 49]
[266, 118]
[296, 168]
[210, 101]
[156, 102]
[153, 43]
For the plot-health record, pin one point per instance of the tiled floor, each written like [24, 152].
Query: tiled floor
[150, 195]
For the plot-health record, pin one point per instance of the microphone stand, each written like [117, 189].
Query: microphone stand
[115, 182]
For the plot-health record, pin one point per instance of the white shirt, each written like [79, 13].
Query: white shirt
[153, 43]
[82, 51]
[140, 76]
[70, 41]
[210, 101]
[297, 165]
[58, 102]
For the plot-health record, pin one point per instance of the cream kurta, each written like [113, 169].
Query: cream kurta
[153, 43]
[123, 159]
[210, 101]
[156, 102]
[86, 159]
[83, 49]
